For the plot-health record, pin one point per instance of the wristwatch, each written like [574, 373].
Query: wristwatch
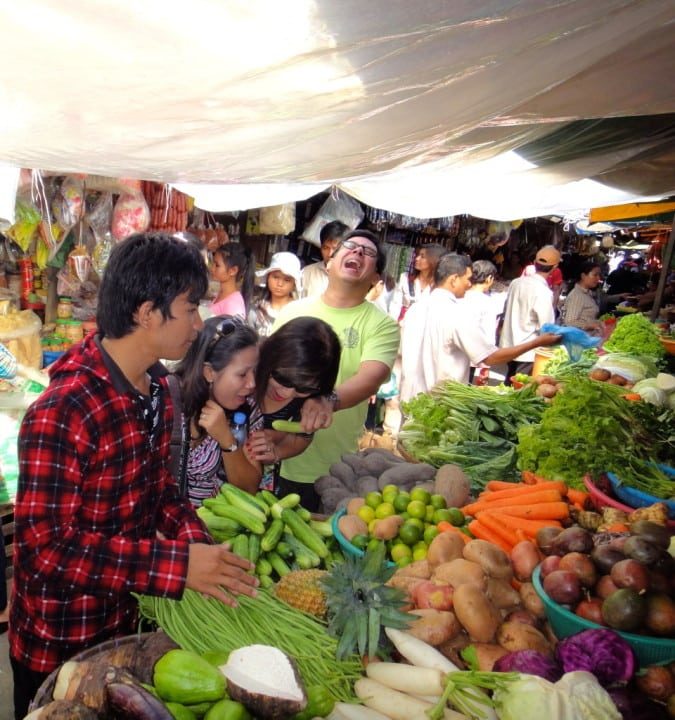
[334, 400]
[229, 448]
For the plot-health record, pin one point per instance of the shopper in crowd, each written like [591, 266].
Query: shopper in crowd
[216, 378]
[529, 305]
[581, 308]
[4, 613]
[451, 339]
[297, 362]
[419, 282]
[369, 340]
[281, 284]
[554, 280]
[315, 276]
[233, 267]
[98, 514]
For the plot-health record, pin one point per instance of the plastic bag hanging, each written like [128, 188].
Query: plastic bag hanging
[574, 339]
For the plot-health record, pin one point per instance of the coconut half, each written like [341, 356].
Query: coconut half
[266, 681]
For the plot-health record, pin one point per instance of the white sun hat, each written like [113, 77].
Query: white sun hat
[284, 262]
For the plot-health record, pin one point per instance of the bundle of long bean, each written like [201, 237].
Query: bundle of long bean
[200, 623]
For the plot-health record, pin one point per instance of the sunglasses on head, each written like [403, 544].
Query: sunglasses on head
[224, 328]
[365, 249]
[285, 382]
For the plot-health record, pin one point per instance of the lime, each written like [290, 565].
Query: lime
[419, 551]
[438, 502]
[402, 562]
[373, 499]
[360, 541]
[373, 544]
[371, 525]
[384, 510]
[442, 515]
[429, 517]
[430, 533]
[391, 488]
[417, 509]
[409, 533]
[366, 513]
[388, 497]
[456, 517]
[418, 493]
[400, 551]
[401, 502]
[405, 515]
[416, 521]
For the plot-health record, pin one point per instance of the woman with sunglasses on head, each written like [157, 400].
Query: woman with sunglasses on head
[217, 378]
[297, 362]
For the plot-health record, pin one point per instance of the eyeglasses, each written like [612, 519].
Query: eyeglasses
[365, 249]
[285, 382]
[224, 328]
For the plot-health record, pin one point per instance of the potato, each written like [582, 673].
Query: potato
[494, 561]
[514, 636]
[461, 572]
[407, 583]
[524, 558]
[531, 601]
[434, 626]
[354, 505]
[418, 569]
[453, 484]
[406, 473]
[344, 473]
[444, 547]
[387, 528]
[350, 525]
[487, 655]
[479, 617]
[502, 594]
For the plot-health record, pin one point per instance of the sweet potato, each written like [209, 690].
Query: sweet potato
[355, 462]
[376, 463]
[387, 454]
[350, 525]
[354, 505]
[332, 497]
[514, 636]
[387, 528]
[366, 484]
[406, 473]
[327, 482]
[345, 474]
[487, 655]
[434, 626]
[479, 617]
[453, 484]
[494, 561]
[460, 572]
[444, 547]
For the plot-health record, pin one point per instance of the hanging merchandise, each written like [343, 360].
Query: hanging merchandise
[277, 219]
[338, 206]
[130, 215]
[169, 208]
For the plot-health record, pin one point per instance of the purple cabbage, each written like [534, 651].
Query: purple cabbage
[601, 652]
[531, 662]
[634, 705]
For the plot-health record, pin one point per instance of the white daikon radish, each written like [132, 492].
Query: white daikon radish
[351, 711]
[418, 652]
[395, 704]
[408, 678]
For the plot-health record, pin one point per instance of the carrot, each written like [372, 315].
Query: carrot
[521, 534]
[529, 527]
[634, 397]
[481, 532]
[507, 534]
[578, 497]
[495, 485]
[445, 526]
[538, 511]
[523, 490]
[531, 478]
[531, 498]
[617, 527]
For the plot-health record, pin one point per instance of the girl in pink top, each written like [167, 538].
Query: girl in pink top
[233, 266]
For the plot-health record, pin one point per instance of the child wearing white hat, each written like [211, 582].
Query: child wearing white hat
[281, 283]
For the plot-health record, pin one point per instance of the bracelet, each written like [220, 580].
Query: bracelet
[334, 399]
[229, 448]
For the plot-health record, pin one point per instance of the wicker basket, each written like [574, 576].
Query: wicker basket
[45, 692]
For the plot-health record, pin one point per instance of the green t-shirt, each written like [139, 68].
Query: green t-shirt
[366, 333]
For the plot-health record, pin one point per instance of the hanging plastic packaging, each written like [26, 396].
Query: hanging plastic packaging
[338, 206]
[574, 339]
[277, 219]
[131, 214]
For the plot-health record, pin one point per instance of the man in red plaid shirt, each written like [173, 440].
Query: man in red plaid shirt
[98, 514]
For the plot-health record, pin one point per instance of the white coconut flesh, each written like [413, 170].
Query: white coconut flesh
[263, 670]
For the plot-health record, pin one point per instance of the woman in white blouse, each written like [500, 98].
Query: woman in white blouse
[419, 282]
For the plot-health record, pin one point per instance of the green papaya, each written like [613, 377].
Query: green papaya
[227, 710]
[184, 677]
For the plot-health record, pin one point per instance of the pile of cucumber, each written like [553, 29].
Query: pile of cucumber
[277, 535]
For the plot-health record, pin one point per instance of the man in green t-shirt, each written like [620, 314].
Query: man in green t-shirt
[369, 340]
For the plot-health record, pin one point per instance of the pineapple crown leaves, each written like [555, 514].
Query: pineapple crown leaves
[360, 604]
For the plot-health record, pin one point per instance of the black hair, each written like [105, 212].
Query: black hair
[451, 264]
[144, 267]
[434, 252]
[381, 259]
[304, 353]
[221, 338]
[333, 230]
[241, 257]
[482, 270]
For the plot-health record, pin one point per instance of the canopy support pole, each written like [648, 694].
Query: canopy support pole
[666, 260]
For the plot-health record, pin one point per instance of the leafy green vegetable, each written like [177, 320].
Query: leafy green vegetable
[561, 366]
[637, 335]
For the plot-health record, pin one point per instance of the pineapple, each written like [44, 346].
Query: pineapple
[302, 590]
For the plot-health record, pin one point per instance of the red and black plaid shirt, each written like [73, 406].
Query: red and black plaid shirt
[94, 488]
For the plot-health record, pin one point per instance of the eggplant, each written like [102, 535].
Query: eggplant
[133, 702]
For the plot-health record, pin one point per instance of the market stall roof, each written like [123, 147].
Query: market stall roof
[497, 108]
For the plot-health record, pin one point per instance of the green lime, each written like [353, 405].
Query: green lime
[419, 551]
[405, 515]
[419, 523]
[373, 544]
[417, 509]
[400, 551]
[438, 502]
[429, 517]
[401, 502]
[430, 533]
[391, 488]
[456, 517]
[384, 510]
[366, 513]
[441, 515]
[360, 541]
[418, 493]
[402, 562]
[388, 496]
[409, 533]
[373, 499]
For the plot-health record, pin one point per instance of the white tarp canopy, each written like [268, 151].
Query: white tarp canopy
[497, 108]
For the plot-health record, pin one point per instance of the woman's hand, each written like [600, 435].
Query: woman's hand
[213, 419]
[260, 447]
[213, 570]
[317, 414]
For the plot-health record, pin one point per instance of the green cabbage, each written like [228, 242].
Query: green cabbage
[576, 695]
[631, 367]
[649, 391]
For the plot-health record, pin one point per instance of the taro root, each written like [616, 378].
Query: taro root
[63, 710]
[266, 681]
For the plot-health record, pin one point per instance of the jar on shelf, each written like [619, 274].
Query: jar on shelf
[74, 332]
[64, 309]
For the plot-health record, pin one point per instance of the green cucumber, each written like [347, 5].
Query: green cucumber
[266, 581]
[238, 498]
[247, 497]
[304, 513]
[215, 522]
[268, 497]
[253, 548]
[272, 535]
[240, 546]
[304, 533]
[287, 502]
[278, 564]
[322, 527]
[284, 550]
[243, 517]
[304, 557]
[288, 426]
[263, 567]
